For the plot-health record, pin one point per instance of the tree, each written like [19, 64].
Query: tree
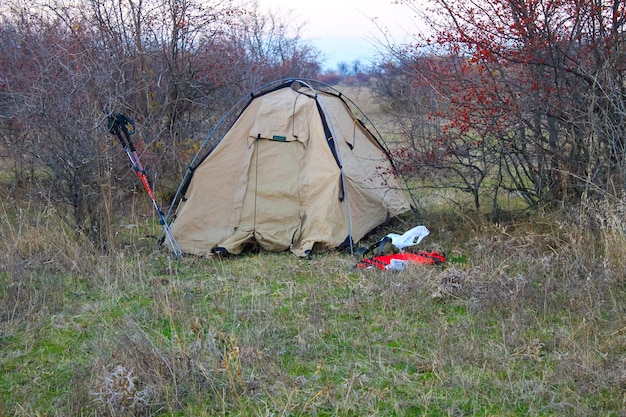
[533, 87]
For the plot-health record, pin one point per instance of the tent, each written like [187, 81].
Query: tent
[296, 170]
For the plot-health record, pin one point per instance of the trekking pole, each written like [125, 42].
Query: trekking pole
[118, 126]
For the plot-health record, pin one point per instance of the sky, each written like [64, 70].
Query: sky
[347, 30]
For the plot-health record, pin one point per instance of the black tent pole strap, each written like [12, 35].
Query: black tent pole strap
[118, 126]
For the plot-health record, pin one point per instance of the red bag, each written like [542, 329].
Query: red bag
[385, 261]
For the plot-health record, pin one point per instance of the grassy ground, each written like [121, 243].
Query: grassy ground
[525, 319]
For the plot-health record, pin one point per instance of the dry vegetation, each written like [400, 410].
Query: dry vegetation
[526, 319]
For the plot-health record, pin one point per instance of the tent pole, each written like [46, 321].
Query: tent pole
[343, 176]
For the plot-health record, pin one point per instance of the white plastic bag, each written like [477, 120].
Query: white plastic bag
[409, 238]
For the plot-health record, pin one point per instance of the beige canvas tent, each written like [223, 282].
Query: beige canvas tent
[296, 170]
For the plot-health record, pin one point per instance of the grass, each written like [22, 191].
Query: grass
[527, 321]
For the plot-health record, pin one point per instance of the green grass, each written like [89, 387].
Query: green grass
[524, 321]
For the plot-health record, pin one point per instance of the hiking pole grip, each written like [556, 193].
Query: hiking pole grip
[118, 124]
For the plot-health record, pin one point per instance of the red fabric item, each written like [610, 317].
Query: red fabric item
[382, 261]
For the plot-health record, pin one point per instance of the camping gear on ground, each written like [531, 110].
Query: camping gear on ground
[400, 261]
[409, 238]
[296, 170]
[392, 251]
[118, 126]
[398, 242]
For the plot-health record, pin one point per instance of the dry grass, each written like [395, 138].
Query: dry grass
[528, 320]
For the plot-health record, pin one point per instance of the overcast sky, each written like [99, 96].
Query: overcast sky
[347, 30]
